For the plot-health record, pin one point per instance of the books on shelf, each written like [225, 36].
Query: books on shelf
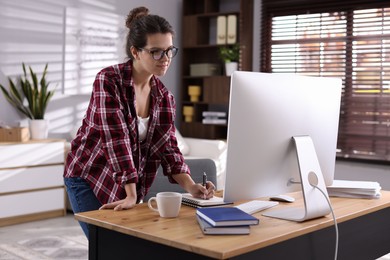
[215, 121]
[214, 117]
[354, 189]
[189, 200]
[208, 229]
[214, 114]
[226, 216]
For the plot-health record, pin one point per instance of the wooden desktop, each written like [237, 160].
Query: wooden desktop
[364, 233]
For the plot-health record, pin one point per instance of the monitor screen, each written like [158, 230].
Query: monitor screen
[266, 110]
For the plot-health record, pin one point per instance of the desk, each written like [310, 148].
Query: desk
[364, 233]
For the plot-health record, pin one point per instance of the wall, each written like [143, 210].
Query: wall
[66, 110]
[73, 106]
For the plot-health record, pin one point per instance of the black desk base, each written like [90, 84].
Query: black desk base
[366, 237]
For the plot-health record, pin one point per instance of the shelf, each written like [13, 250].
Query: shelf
[205, 131]
[200, 46]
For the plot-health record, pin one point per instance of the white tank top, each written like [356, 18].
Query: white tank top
[143, 124]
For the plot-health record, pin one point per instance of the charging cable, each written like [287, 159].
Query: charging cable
[334, 220]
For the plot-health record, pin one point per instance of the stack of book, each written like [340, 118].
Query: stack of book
[355, 189]
[214, 117]
[225, 221]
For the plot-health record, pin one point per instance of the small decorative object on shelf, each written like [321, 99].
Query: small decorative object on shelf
[14, 134]
[194, 92]
[188, 112]
[205, 69]
[37, 95]
[230, 56]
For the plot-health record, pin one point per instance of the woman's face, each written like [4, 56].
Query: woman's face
[156, 42]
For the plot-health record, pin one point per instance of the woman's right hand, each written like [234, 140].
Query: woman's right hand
[127, 203]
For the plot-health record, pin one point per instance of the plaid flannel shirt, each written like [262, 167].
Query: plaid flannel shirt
[107, 152]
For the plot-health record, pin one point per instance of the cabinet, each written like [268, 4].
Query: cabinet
[31, 182]
[199, 46]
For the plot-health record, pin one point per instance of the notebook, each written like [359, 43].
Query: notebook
[208, 229]
[189, 200]
[226, 216]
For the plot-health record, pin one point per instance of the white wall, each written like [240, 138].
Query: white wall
[65, 111]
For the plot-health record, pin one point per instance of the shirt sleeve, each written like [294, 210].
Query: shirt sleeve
[114, 131]
[173, 160]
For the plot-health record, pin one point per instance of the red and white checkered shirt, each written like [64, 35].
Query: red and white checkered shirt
[106, 151]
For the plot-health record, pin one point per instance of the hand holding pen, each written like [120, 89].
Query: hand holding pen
[204, 183]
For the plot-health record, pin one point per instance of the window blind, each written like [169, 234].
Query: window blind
[76, 42]
[351, 42]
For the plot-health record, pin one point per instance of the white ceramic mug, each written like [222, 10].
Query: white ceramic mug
[168, 204]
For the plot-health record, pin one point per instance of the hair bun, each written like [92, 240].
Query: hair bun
[135, 14]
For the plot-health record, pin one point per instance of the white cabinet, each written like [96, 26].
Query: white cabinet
[31, 182]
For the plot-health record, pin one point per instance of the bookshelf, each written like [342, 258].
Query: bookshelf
[200, 50]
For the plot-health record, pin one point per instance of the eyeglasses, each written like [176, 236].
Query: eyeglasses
[159, 54]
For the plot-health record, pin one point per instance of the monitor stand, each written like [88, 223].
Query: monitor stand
[315, 202]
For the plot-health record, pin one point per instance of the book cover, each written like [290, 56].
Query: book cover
[226, 216]
[208, 229]
[189, 200]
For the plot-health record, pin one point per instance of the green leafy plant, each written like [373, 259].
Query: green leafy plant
[36, 93]
[229, 53]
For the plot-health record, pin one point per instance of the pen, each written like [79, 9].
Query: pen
[204, 182]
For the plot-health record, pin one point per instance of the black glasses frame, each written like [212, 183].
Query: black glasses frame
[159, 54]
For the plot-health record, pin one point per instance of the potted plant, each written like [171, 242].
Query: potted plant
[229, 55]
[37, 95]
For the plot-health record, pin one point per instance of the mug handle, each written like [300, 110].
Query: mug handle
[150, 204]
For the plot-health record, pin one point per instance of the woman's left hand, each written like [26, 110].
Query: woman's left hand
[126, 203]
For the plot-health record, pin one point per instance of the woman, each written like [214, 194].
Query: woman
[128, 129]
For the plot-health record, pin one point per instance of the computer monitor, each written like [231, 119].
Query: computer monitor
[265, 111]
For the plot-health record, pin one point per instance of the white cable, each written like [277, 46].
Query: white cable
[334, 219]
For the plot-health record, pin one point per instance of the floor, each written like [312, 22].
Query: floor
[56, 238]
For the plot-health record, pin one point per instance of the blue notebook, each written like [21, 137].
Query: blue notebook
[208, 229]
[226, 216]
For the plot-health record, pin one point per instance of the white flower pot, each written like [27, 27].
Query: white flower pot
[39, 128]
[230, 67]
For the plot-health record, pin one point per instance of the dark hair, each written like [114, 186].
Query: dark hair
[140, 24]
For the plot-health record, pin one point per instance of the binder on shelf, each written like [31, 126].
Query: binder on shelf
[221, 29]
[231, 29]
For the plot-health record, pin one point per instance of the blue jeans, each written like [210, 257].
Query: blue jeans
[81, 198]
